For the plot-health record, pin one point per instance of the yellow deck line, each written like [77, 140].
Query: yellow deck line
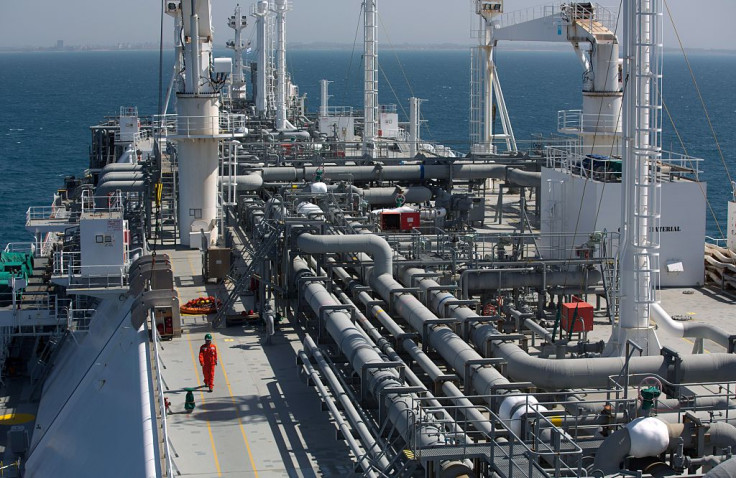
[209, 428]
[232, 398]
[240, 421]
[201, 393]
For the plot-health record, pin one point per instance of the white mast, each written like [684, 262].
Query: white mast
[281, 7]
[370, 83]
[642, 52]
[173, 9]
[197, 128]
[324, 86]
[489, 85]
[237, 22]
[261, 96]
[414, 122]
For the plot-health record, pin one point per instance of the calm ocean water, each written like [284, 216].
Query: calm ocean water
[51, 99]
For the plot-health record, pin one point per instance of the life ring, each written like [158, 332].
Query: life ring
[201, 306]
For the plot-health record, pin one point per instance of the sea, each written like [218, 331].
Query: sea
[51, 98]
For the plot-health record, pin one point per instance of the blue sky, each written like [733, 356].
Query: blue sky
[702, 24]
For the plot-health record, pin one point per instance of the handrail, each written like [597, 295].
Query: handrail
[158, 378]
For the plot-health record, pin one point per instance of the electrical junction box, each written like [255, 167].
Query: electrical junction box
[216, 263]
[578, 316]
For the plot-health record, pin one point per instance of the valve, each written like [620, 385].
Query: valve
[648, 396]
[400, 199]
[649, 390]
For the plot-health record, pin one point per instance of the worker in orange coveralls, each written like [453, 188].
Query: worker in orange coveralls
[208, 360]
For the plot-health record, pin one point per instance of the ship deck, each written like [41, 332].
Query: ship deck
[261, 419]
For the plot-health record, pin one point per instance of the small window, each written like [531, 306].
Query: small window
[99, 238]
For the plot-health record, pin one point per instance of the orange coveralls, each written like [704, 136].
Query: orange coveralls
[208, 360]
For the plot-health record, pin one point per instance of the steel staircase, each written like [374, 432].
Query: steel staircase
[241, 279]
[611, 287]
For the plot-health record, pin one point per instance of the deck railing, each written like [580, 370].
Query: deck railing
[69, 264]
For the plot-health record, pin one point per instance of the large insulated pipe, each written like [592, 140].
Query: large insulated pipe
[718, 435]
[523, 178]
[375, 246]
[123, 186]
[408, 172]
[640, 438]
[727, 469]
[690, 329]
[386, 196]
[121, 176]
[348, 408]
[249, 182]
[450, 346]
[108, 168]
[575, 373]
[475, 281]
[411, 423]
[466, 407]
[378, 340]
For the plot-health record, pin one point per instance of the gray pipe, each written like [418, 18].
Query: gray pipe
[467, 408]
[670, 405]
[612, 451]
[376, 246]
[248, 182]
[409, 172]
[124, 186]
[385, 196]
[121, 176]
[475, 281]
[401, 409]
[727, 469]
[687, 329]
[373, 335]
[366, 437]
[552, 374]
[451, 347]
[520, 177]
[719, 435]
[574, 373]
[121, 167]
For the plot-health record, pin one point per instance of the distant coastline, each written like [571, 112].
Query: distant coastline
[508, 46]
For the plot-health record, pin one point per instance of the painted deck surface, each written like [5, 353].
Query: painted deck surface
[261, 420]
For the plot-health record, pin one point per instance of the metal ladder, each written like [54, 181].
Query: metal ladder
[243, 279]
[611, 287]
[169, 220]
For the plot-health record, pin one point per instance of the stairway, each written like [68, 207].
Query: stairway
[169, 233]
[611, 288]
[240, 278]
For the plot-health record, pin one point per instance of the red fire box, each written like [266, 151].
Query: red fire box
[401, 221]
[409, 220]
[581, 312]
